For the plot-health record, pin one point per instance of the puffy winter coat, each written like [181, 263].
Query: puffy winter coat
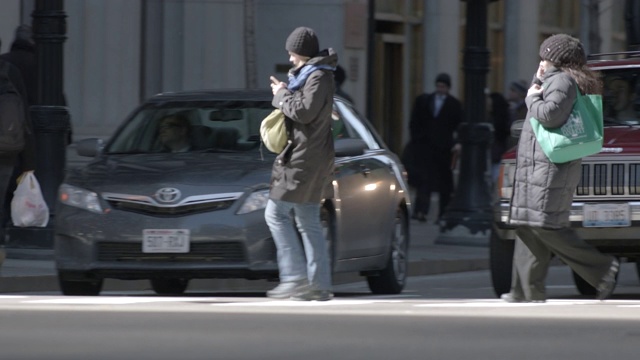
[542, 190]
[303, 171]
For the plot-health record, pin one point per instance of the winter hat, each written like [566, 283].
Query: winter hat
[303, 41]
[444, 78]
[563, 50]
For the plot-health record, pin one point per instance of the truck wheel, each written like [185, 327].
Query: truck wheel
[500, 261]
[584, 288]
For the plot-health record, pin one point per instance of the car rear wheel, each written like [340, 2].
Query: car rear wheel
[392, 279]
[501, 262]
[79, 287]
[169, 286]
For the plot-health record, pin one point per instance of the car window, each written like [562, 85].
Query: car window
[347, 124]
[621, 97]
[188, 129]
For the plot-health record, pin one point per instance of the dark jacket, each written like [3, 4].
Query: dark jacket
[26, 158]
[436, 132]
[543, 191]
[23, 56]
[303, 171]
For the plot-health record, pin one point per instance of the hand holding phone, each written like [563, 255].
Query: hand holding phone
[274, 81]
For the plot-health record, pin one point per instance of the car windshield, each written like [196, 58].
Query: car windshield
[621, 97]
[184, 128]
[213, 127]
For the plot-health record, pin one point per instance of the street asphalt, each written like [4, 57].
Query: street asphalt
[429, 253]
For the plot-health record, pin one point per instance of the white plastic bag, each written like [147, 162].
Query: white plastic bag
[28, 207]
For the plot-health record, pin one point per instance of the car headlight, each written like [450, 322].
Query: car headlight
[80, 198]
[256, 201]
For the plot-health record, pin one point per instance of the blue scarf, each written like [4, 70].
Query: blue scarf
[297, 81]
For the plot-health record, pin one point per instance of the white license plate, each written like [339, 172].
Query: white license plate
[165, 241]
[606, 215]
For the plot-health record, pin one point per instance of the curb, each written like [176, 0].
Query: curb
[49, 282]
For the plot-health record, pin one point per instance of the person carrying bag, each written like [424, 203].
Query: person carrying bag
[543, 186]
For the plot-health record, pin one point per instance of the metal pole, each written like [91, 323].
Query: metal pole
[469, 214]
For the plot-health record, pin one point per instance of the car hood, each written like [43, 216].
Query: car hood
[626, 138]
[125, 173]
[617, 139]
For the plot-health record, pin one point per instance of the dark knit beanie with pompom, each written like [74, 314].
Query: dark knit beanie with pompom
[303, 41]
[563, 50]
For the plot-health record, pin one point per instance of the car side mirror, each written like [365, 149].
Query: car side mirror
[516, 128]
[89, 147]
[349, 147]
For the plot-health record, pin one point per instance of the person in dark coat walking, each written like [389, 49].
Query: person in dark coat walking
[23, 56]
[434, 121]
[302, 173]
[12, 166]
[543, 190]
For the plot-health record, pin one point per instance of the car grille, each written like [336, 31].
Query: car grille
[609, 179]
[214, 252]
[149, 206]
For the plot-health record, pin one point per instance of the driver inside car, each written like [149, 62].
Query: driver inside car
[174, 133]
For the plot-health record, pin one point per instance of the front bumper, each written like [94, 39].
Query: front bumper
[110, 246]
[619, 241]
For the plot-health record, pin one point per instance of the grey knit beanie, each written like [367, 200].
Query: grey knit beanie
[303, 41]
[563, 50]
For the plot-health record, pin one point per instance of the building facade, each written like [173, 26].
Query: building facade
[119, 52]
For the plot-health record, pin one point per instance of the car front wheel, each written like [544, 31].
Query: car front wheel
[79, 287]
[169, 286]
[392, 279]
[501, 261]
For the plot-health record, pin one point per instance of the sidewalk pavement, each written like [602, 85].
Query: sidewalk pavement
[425, 258]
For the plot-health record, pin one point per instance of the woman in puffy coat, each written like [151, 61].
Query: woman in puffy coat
[543, 190]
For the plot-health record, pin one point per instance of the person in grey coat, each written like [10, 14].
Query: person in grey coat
[543, 190]
[301, 175]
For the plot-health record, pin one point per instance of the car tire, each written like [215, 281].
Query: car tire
[500, 263]
[392, 279]
[584, 288]
[169, 286]
[78, 287]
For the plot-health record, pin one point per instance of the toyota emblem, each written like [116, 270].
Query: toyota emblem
[167, 195]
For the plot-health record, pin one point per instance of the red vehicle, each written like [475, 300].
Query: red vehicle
[606, 205]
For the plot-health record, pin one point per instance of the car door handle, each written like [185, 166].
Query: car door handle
[365, 170]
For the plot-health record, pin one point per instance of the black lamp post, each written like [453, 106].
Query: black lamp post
[51, 125]
[469, 214]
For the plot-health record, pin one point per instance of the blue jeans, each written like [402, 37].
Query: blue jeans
[292, 255]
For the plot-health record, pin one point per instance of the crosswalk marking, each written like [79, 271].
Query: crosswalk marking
[229, 302]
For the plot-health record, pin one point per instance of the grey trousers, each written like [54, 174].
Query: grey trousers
[534, 248]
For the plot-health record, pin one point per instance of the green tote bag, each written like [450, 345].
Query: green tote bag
[580, 136]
